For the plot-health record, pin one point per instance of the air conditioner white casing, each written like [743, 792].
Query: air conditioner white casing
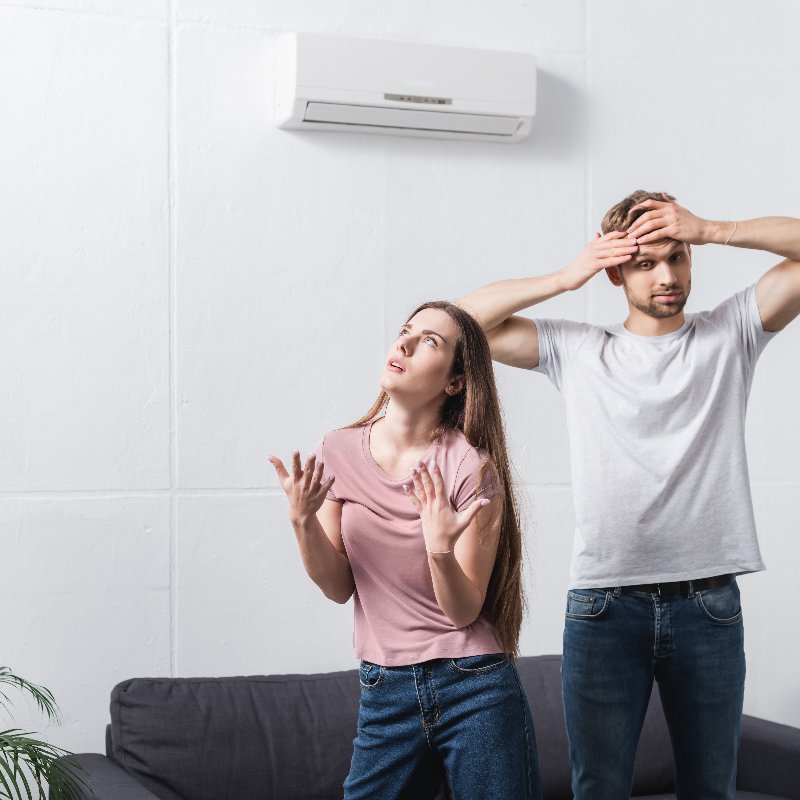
[340, 83]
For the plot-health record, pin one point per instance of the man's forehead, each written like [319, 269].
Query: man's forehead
[658, 248]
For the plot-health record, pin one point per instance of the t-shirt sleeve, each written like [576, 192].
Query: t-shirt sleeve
[472, 480]
[740, 317]
[559, 340]
[324, 455]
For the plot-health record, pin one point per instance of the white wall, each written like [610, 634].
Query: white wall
[186, 288]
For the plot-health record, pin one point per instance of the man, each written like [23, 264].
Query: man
[664, 519]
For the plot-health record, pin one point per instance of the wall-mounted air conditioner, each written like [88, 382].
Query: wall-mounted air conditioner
[338, 83]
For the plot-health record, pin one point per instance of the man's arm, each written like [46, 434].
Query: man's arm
[777, 291]
[514, 340]
[778, 295]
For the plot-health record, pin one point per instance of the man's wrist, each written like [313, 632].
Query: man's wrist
[561, 282]
[717, 232]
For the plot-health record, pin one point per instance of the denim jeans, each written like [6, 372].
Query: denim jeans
[615, 643]
[469, 715]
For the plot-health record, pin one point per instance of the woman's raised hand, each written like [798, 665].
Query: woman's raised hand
[303, 487]
[442, 525]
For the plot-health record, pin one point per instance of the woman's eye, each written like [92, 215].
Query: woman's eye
[431, 341]
[403, 332]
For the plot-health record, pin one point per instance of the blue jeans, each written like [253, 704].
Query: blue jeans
[615, 643]
[468, 715]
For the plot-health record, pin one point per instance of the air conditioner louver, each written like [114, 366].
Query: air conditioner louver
[401, 118]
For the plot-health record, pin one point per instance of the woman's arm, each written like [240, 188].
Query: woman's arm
[461, 546]
[461, 577]
[317, 524]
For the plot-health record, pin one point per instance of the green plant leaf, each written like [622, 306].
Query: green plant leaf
[28, 764]
[42, 696]
[25, 761]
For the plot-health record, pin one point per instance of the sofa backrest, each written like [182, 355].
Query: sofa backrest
[284, 737]
[290, 737]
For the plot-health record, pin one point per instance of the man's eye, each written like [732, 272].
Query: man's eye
[677, 257]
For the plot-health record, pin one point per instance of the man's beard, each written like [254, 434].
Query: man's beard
[658, 310]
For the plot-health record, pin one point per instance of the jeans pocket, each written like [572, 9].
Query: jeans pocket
[480, 665]
[722, 605]
[370, 675]
[587, 603]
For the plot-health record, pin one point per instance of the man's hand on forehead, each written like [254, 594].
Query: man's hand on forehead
[668, 221]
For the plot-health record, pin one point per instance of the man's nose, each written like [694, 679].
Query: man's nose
[666, 275]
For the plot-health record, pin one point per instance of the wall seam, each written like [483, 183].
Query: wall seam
[172, 356]
[82, 13]
[587, 149]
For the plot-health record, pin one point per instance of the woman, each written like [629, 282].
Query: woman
[421, 524]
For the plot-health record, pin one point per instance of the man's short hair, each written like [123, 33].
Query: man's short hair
[620, 217]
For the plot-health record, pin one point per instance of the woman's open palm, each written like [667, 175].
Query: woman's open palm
[442, 525]
[303, 487]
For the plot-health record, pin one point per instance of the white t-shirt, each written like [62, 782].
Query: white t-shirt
[656, 424]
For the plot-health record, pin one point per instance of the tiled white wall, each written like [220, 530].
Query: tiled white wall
[186, 288]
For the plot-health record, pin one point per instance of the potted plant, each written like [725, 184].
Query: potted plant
[29, 765]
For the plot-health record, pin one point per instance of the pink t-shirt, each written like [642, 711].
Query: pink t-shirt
[397, 618]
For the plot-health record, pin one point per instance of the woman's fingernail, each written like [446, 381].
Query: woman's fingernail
[405, 487]
[433, 464]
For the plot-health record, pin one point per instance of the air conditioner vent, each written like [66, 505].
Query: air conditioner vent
[411, 119]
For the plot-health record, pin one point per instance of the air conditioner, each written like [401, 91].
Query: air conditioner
[337, 83]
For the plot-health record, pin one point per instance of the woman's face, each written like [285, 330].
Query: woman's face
[419, 363]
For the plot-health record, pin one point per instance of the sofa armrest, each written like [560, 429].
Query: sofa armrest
[101, 779]
[769, 758]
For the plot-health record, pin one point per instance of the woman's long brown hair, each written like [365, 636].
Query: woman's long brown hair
[475, 411]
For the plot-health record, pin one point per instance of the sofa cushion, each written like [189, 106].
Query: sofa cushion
[739, 796]
[286, 737]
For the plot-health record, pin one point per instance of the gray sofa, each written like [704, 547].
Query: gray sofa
[289, 737]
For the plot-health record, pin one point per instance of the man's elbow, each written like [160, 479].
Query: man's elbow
[465, 304]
